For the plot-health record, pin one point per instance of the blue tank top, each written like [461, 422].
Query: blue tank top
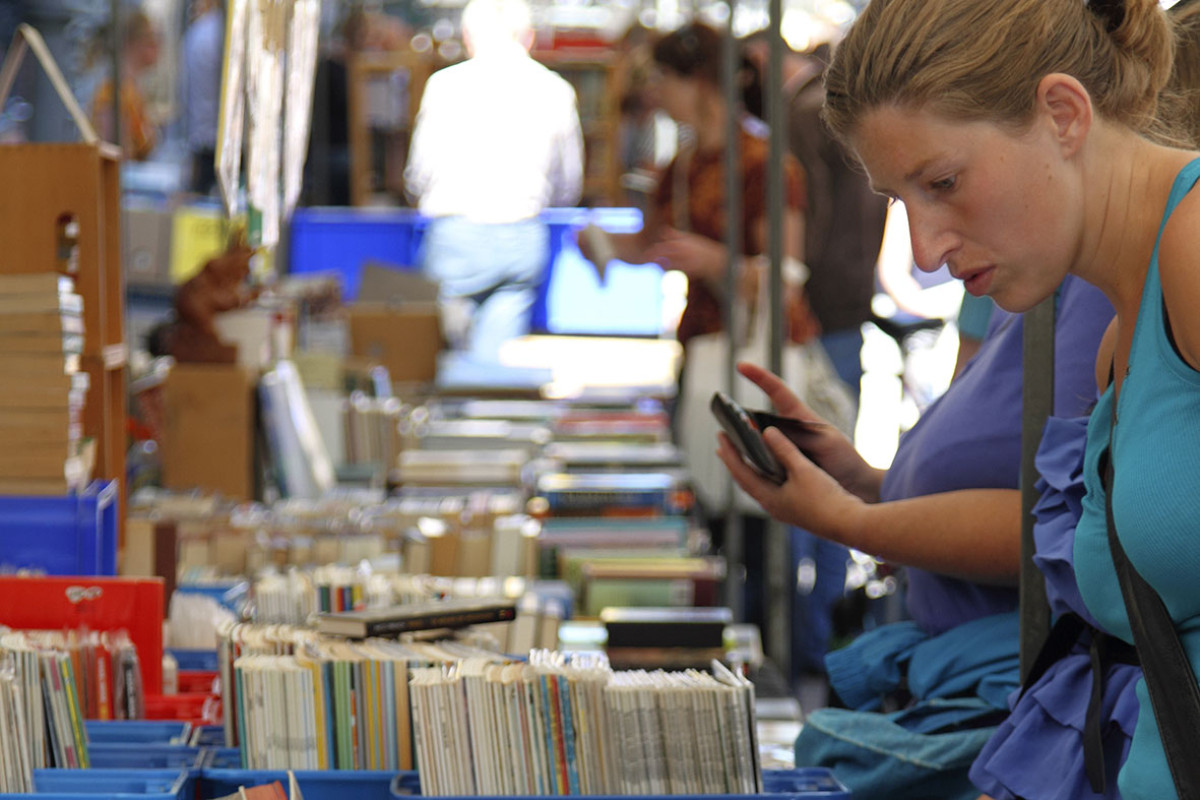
[1156, 500]
[971, 438]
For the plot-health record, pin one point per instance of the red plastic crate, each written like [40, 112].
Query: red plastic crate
[197, 681]
[95, 603]
[198, 708]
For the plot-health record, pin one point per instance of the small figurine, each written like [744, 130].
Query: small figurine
[219, 286]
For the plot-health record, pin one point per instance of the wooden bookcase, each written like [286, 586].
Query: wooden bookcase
[380, 134]
[44, 186]
[596, 78]
[42, 183]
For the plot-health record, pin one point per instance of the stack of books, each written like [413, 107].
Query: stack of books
[43, 394]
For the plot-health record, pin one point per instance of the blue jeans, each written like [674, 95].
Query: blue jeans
[495, 268]
[812, 611]
[845, 351]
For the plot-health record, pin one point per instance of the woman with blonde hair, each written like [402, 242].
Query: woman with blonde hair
[1027, 143]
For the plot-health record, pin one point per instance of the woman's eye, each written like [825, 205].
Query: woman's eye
[943, 184]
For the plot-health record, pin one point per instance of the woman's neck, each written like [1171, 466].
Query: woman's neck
[1130, 180]
[710, 131]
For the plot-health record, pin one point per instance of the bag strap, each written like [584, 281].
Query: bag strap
[27, 37]
[1170, 681]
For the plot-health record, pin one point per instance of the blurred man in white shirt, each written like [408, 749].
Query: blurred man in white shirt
[497, 141]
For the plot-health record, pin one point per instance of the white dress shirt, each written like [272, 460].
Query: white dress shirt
[497, 139]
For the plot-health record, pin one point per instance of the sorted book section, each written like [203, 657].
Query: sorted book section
[570, 725]
[473, 722]
[42, 398]
[296, 700]
[42, 706]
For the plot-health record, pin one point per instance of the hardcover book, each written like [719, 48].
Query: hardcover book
[395, 620]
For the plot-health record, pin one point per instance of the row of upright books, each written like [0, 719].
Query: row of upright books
[42, 397]
[474, 722]
[50, 682]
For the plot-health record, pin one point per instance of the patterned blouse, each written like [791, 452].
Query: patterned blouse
[706, 216]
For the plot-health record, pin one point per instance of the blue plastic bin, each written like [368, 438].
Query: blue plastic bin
[195, 660]
[810, 783]
[74, 534]
[138, 731]
[570, 299]
[111, 755]
[341, 241]
[314, 784]
[223, 758]
[116, 784]
[207, 736]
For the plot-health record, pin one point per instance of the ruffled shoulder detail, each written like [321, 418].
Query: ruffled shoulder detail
[1056, 513]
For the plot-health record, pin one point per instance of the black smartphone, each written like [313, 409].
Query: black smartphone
[746, 436]
[798, 431]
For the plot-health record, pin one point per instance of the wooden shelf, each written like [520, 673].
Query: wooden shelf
[382, 133]
[42, 183]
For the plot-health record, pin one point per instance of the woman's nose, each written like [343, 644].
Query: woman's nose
[932, 242]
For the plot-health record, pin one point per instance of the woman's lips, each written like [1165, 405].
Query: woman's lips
[978, 282]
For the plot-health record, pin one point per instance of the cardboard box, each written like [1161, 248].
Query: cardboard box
[404, 339]
[208, 437]
[146, 246]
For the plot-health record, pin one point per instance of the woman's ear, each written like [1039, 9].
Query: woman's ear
[1067, 106]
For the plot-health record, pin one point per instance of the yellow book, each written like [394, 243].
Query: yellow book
[316, 668]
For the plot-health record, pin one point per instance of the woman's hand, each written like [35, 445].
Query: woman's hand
[827, 447]
[696, 256]
[810, 498]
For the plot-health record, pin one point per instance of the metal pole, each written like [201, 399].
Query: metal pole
[1037, 398]
[777, 548]
[734, 544]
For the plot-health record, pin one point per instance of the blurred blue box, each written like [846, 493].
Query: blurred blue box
[571, 299]
[194, 660]
[116, 784]
[138, 731]
[207, 736]
[73, 534]
[230, 594]
[142, 756]
[314, 784]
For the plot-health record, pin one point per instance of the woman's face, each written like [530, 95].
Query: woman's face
[997, 207]
[677, 95]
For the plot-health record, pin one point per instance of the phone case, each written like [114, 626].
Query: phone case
[747, 437]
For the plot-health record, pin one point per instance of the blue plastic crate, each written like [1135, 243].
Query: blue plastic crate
[314, 784]
[223, 758]
[74, 534]
[207, 736]
[116, 784]
[570, 298]
[195, 660]
[138, 731]
[341, 241]
[140, 756]
[810, 783]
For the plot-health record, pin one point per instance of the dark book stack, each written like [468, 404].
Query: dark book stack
[43, 392]
[665, 638]
[413, 617]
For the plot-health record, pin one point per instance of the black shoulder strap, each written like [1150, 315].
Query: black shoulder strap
[1174, 693]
